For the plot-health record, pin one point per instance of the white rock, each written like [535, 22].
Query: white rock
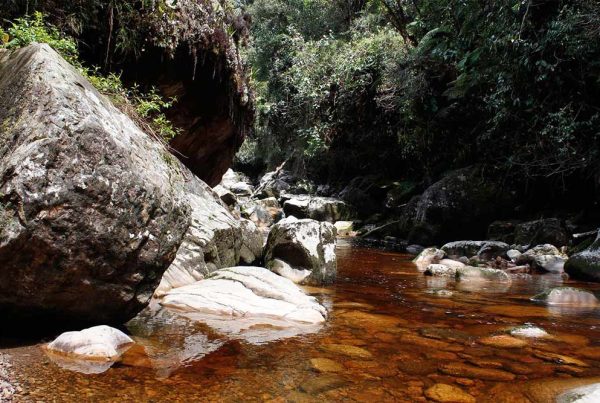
[452, 263]
[304, 245]
[529, 331]
[285, 270]
[546, 257]
[583, 394]
[513, 254]
[344, 228]
[428, 256]
[96, 343]
[242, 292]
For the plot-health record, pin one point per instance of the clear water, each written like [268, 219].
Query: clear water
[391, 335]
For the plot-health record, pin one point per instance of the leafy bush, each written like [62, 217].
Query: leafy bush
[146, 108]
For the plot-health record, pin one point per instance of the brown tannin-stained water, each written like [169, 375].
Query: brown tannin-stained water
[392, 335]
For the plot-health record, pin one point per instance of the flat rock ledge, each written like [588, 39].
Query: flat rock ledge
[247, 292]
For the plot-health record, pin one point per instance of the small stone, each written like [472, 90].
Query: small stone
[351, 351]
[441, 392]
[326, 365]
[503, 341]
[322, 384]
[469, 371]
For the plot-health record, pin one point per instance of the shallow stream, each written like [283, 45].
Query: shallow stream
[392, 334]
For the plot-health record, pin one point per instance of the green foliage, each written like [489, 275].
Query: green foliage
[24, 31]
[513, 84]
[150, 106]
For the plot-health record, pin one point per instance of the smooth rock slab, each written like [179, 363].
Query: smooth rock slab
[529, 331]
[247, 292]
[96, 343]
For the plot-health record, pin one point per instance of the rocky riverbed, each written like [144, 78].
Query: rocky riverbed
[393, 334]
[8, 384]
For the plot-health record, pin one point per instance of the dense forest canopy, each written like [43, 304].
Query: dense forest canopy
[414, 88]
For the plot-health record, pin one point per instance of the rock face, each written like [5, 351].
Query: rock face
[585, 265]
[96, 343]
[247, 292]
[213, 241]
[96, 209]
[316, 207]
[304, 245]
[459, 205]
[544, 231]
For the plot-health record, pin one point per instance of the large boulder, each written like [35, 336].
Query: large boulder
[93, 210]
[544, 231]
[585, 265]
[458, 206]
[316, 207]
[543, 257]
[307, 246]
[96, 209]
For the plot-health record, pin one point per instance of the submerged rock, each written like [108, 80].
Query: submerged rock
[244, 293]
[304, 245]
[441, 392]
[96, 208]
[585, 265]
[96, 343]
[567, 296]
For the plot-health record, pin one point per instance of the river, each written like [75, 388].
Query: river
[392, 335]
